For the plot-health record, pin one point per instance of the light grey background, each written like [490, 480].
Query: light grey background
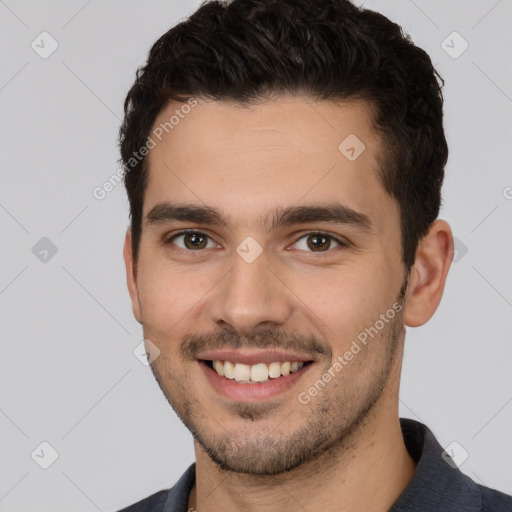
[68, 375]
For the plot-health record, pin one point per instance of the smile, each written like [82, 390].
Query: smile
[256, 373]
[253, 381]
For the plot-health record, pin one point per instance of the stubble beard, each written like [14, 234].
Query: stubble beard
[333, 419]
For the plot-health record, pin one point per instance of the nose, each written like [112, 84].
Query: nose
[250, 297]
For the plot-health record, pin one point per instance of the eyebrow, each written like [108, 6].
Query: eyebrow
[336, 213]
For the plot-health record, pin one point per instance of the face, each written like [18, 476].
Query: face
[269, 254]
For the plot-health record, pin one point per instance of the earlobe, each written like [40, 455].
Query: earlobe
[131, 276]
[428, 274]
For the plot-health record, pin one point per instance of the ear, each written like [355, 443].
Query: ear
[131, 275]
[428, 274]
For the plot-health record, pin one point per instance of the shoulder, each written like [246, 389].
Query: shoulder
[438, 484]
[494, 500]
[153, 503]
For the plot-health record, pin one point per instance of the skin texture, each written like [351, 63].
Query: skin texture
[274, 454]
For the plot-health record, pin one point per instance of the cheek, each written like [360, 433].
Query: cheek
[172, 296]
[165, 294]
[344, 301]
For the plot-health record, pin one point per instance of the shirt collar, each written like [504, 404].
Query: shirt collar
[436, 484]
[177, 500]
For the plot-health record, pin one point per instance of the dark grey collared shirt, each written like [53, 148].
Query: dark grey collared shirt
[436, 485]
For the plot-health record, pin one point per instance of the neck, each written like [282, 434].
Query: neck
[367, 471]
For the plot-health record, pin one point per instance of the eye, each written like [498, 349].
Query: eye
[192, 240]
[318, 242]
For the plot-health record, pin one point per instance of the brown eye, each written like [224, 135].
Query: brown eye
[318, 242]
[191, 240]
[194, 241]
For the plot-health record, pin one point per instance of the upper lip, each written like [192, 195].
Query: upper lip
[252, 357]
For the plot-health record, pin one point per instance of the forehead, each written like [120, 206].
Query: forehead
[247, 161]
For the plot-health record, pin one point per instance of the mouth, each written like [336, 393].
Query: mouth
[253, 377]
[255, 373]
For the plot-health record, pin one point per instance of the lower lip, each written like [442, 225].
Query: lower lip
[242, 392]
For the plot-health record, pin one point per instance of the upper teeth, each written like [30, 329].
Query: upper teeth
[256, 372]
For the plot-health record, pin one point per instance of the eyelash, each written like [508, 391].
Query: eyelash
[341, 243]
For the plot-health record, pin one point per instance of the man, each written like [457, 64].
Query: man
[284, 162]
